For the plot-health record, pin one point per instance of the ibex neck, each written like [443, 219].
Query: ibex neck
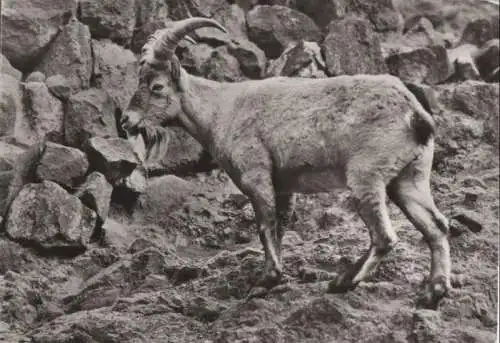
[200, 102]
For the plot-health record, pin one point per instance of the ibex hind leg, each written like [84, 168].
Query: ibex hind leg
[411, 192]
[368, 190]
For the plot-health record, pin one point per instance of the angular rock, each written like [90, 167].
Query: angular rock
[35, 76]
[21, 171]
[426, 326]
[45, 215]
[382, 13]
[252, 60]
[470, 219]
[109, 19]
[148, 13]
[272, 28]
[232, 17]
[9, 155]
[59, 86]
[487, 58]
[29, 26]
[351, 47]
[221, 66]
[43, 114]
[478, 32]
[113, 157]
[63, 165]
[301, 60]
[194, 57]
[136, 182]
[90, 113]
[115, 71]
[423, 65]
[163, 195]
[475, 98]
[95, 193]
[70, 55]
[7, 68]
[322, 12]
[11, 107]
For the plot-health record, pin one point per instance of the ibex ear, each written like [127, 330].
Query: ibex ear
[175, 68]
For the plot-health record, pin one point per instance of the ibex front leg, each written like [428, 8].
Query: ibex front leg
[257, 185]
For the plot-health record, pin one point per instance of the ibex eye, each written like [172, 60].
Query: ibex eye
[157, 87]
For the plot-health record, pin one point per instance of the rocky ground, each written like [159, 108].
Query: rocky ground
[94, 247]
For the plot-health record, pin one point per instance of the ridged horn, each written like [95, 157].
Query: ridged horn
[165, 46]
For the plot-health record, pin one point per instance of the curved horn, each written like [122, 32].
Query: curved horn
[165, 46]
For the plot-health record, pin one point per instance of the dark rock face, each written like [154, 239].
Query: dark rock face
[113, 157]
[61, 164]
[272, 28]
[109, 19]
[425, 65]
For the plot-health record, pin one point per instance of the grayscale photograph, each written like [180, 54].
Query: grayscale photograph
[249, 171]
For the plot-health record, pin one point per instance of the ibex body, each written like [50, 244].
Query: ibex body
[281, 136]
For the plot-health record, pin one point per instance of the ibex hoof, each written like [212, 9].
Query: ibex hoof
[341, 284]
[434, 292]
[270, 279]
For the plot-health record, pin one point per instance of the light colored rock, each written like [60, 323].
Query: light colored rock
[43, 114]
[29, 26]
[95, 193]
[46, 215]
[11, 108]
[351, 47]
[70, 55]
[301, 60]
[115, 71]
[90, 113]
[7, 68]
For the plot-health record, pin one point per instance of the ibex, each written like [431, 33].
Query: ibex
[280, 136]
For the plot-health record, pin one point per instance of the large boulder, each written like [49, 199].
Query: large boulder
[43, 115]
[48, 217]
[109, 19]
[382, 13]
[272, 28]
[113, 157]
[10, 103]
[423, 65]
[321, 11]
[478, 32]
[29, 26]
[90, 113]
[303, 60]
[352, 47]
[70, 55]
[115, 71]
[63, 165]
